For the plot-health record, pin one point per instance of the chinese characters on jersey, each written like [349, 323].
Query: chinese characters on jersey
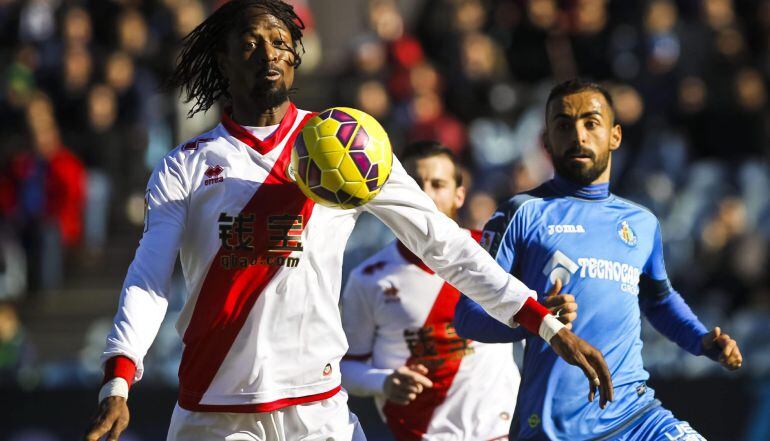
[237, 235]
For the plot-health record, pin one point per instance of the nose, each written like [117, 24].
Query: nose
[581, 134]
[267, 52]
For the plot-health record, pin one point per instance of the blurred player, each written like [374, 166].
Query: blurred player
[261, 328]
[572, 232]
[427, 382]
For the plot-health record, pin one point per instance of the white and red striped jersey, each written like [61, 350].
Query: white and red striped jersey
[397, 312]
[262, 265]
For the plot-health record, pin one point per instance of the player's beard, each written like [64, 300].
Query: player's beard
[271, 96]
[580, 173]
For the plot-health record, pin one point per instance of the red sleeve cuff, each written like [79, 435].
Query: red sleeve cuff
[530, 316]
[119, 366]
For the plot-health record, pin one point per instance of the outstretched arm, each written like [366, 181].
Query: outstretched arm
[471, 321]
[143, 300]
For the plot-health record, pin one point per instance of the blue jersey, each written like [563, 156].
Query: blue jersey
[608, 253]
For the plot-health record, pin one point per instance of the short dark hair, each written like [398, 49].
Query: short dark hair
[428, 149]
[197, 72]
[577, 85]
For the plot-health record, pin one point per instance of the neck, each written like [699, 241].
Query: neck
[249, 113]
[599, 189]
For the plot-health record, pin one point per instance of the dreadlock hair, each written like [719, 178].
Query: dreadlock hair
[197, 72]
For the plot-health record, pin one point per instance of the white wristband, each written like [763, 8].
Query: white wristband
[117, 387]
[549, 327]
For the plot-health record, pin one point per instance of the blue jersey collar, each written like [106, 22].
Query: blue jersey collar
[569, 188]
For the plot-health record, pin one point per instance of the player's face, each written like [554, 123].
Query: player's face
[258, 60]
[580, 134]
[436, 176]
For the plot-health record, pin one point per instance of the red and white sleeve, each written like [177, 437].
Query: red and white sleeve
[536, 319]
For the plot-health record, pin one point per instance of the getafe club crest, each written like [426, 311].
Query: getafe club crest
[627, 234]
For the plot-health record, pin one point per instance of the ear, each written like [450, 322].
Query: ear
[460, 197]
[616, 135]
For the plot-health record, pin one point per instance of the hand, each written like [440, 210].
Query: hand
[111, 420]
[405, 383]
[577, 352]
[563, 306]
[730, 356]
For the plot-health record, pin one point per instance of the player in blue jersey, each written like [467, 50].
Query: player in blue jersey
[571, 232]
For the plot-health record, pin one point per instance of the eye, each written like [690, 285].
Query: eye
[563, 126]
[279, 43]
[250, 45]
[591, 124]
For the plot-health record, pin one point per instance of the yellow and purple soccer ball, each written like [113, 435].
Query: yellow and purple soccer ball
[342, 158]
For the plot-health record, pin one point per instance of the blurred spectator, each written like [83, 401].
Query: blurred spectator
[431, 121]
[20, 77]
[69, 89]
[76, 27]
[45, 190]
[735, 260]
[132, 33]
[386, 20]
[16, 352]
[590, 38]
[13, 266]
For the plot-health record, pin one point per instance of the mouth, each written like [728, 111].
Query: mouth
[270, 74]
[580, 157]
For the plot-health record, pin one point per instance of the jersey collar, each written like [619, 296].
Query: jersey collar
[261, 146]
[569, 188]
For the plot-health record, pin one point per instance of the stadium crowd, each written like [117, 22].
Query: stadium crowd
[85, 118]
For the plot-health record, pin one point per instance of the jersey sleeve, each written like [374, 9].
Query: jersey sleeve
[664, 307]
[359, 377]
[144, 296]
[357, 318]
[446, 248]
[470, 319]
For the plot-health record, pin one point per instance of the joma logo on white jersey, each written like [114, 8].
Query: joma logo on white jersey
[559, 229]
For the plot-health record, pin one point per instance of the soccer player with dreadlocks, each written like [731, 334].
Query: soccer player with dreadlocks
[260, 325]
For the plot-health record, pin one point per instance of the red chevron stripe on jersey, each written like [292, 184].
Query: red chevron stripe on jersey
[227, 296]
[269, 143]
[410, 423]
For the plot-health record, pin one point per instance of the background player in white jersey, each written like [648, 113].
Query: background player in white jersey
[260, 325]
[427, 382]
